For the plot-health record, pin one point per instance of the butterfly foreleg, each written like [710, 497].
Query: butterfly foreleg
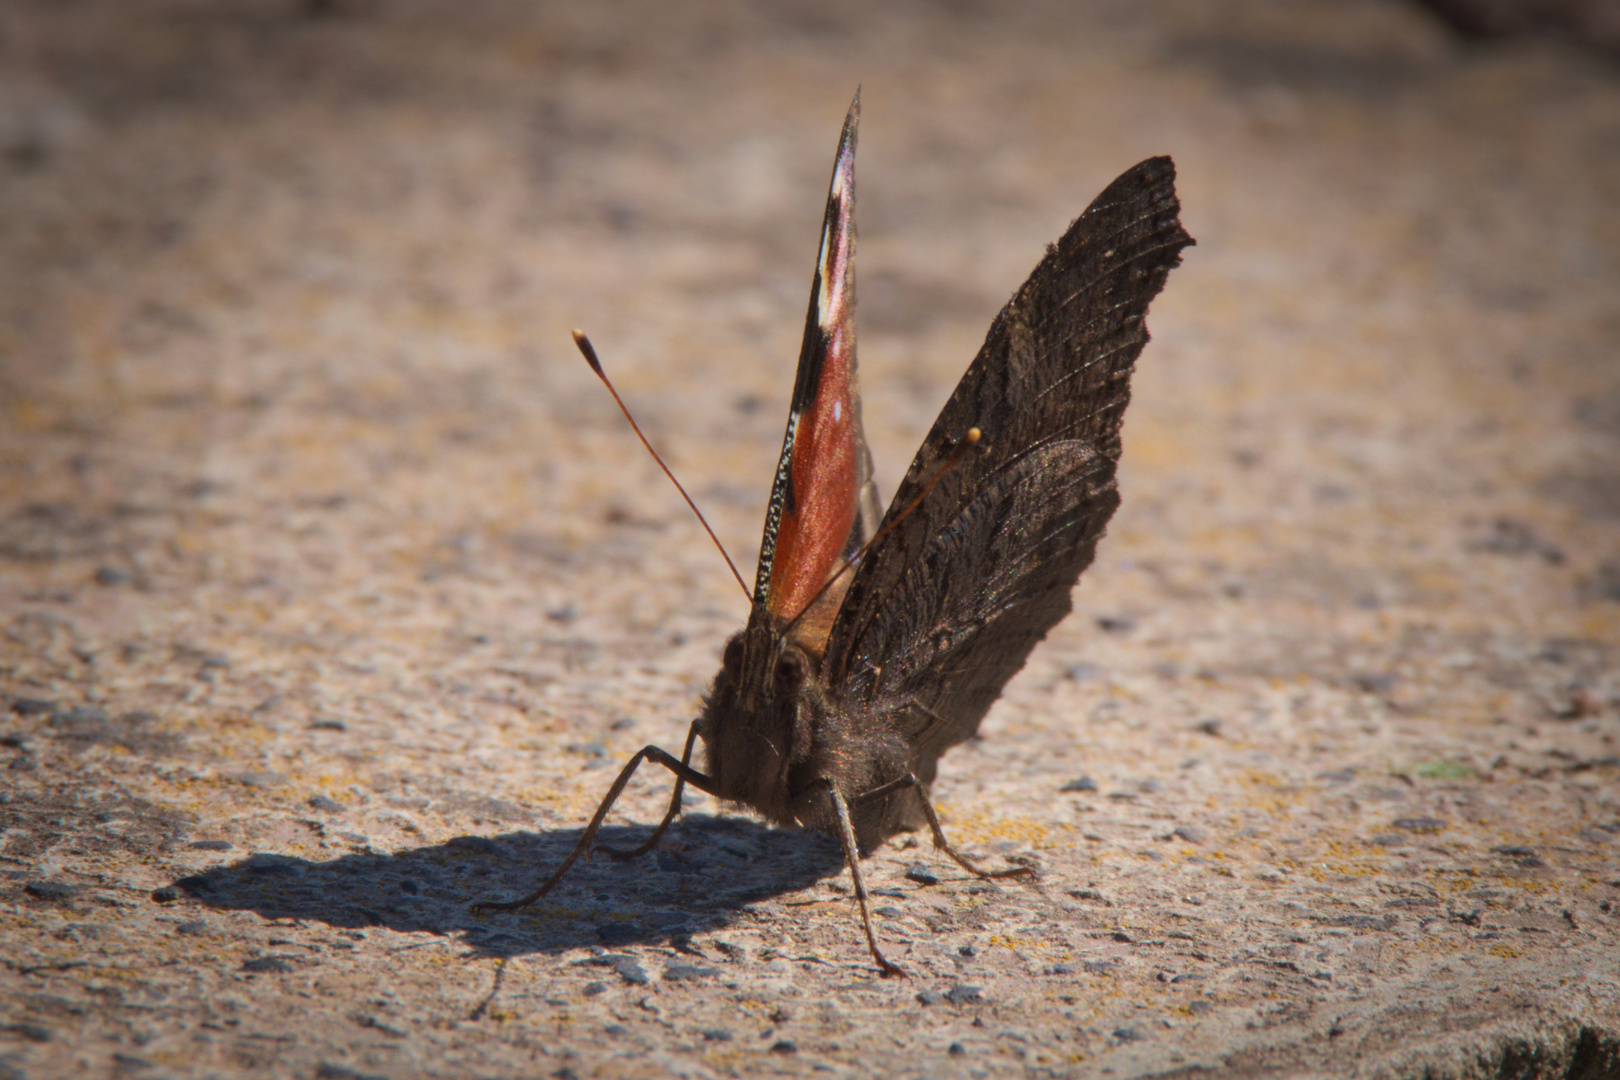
[910, 781]
[674, 802]
[846, 833]
[684, 774]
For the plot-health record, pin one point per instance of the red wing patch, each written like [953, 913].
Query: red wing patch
[815, 503]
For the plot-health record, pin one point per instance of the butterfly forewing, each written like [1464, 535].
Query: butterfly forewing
[823, 504]
[948, 604]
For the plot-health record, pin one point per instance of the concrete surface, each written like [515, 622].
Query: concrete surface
[332, 589]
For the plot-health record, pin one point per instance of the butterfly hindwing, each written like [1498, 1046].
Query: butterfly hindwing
[823, 503]
[948, 604]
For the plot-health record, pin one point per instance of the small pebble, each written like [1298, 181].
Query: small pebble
[784, 1046]
[267, 965]
[626, 968]
[212, 845]
[921, 874]
[1083, 783]
[957, 1050]
[322, 803]
[688, 973]
[964, 995]
[51, 890]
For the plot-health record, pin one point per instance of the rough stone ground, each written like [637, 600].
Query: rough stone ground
[332, 590]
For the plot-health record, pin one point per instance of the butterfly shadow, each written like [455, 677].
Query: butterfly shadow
[707, 870]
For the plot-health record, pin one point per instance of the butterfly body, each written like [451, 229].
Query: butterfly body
[775, 735]
[874, 644]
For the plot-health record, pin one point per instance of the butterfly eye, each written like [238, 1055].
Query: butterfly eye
[731, 659]
[792, 668]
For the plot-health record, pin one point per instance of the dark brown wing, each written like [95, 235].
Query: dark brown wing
[948, 605]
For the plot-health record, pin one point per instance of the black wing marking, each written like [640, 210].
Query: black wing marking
[949, 604]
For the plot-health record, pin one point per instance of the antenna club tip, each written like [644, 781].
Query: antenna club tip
[972, 437]
[588, 351]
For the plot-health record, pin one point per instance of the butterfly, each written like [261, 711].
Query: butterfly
[875, 642]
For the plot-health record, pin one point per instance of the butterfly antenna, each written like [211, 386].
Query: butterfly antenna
[963, 445]
[589, 352]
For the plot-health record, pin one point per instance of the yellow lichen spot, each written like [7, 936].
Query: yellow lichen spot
[1005, 941]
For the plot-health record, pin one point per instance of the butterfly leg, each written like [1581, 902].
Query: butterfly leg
[674, 805]
[846, 833]
[683, 772]
[910, 781]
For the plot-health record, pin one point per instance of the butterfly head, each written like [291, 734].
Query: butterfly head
[759, 717]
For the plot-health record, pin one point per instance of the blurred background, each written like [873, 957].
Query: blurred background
[285, 288]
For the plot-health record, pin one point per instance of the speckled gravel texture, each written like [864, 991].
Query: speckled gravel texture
[333, 589]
